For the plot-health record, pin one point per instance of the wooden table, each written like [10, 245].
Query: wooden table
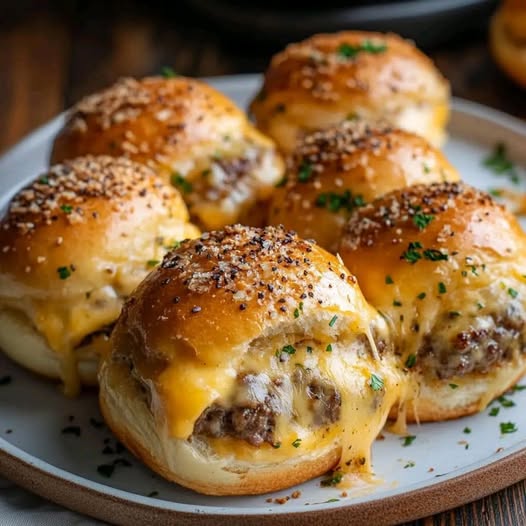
[50, 57]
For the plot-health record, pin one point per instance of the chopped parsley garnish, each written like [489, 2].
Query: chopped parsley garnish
[442, 288]
[513, 293]
[334, 479]
[289, 349]
[43, 180]
[376, 382]
[397, 303]
[64, 272]
[494, 192]
[276, 445]
[505, 402]
[152, 263]
[408, 440]
[5, 380]
[180, 182]
[329, 348]
[67, 209]
[350, 51]
[334, 202]
[333, 321]
[304, 172]
[519, 387]
[426, 168]
[411, 361]
[499, 163]
[494, 411]
[71, 430]
[508, 427]
[309, 349]
[421, 296]
[168, 73]
[421, 220]
[453, 386]
[332, 500]
[412, 255]
[454, 314]
[388, 280]
[467, 430]
[479, 305]
[410, 464]
[432, 254]
[296, 443]
[173, 246]
[296, 313]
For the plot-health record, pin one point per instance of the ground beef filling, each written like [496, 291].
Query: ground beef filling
[475, 349]
[258, 402]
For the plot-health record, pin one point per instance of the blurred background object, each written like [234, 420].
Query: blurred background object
[54, 52]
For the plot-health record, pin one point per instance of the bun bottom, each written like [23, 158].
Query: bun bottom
[510, 56]
[439, 401]
[191, 463]
[27, 347]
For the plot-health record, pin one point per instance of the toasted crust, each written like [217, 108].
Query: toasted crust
[188, 133]
[333, 171]
[508, 39]
[326, 78]
[73, 244]
[194, 467]
[445, 265]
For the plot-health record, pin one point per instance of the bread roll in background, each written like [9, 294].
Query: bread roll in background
[333, 171]
[445, 265]
[73, 244]
[328, 78]
[508, 39]
[190, 133]
[249, 362]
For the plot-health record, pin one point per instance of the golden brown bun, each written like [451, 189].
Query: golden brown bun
[446, 267]
[508, 39]
[73, 244]
[191, 134]
[333, 171]
[329, 77]
[244, 363]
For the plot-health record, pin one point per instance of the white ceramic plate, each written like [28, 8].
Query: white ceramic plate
[443, 467]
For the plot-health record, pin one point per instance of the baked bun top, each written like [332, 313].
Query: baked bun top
[224, 305]
[438, 260]
[333, 171]
[374, 66]
[190, 133]
[79, 238]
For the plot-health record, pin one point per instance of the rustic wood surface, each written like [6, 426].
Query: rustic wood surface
[53, 53]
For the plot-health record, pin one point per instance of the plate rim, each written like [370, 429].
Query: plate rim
[60, 485]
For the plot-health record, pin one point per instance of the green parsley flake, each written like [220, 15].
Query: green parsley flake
[296, 443]
[305, 171]
[408, 440]
[67, 209]
[422, 220]
[281, 182]
[519, 387]
[388, 280]
[168, 73]
[367, 46]
[513, 293]
[296, 313]
[412, 255]
[432, 254]
[334, 479]
[508, 427]
[64, 272]
[454, 314]
[411, 361]
[376, 382]
[335, 202]
[494, 411]
[499, 163]
[442, 288]
[505, 402]
[276, 445]
[152, 263]
[410, 464]
[329, 348]
[289, 349]
[309, 349]
[333, 321]
[44, 180]
[467, 430]
[421, 296]
[453, 386]
[180, 182]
